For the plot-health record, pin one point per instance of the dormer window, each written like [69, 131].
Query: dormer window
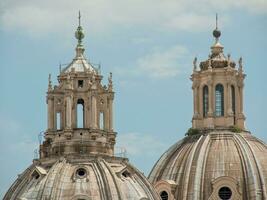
[80, 83]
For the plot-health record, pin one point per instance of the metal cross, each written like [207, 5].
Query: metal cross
[216, 20]
[79, 18]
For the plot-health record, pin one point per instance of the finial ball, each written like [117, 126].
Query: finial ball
[216, 33]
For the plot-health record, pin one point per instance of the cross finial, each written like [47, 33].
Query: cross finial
[79, 33]
[217, 32]
[79, 18]
[216, 20]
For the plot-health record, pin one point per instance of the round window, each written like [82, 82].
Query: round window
[225, 193]
[81, 172]
[164, 195]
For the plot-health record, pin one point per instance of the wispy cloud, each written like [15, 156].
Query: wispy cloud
[158, 64]
[44, 17]
[137, 144]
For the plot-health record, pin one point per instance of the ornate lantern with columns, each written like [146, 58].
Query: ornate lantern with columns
[218, 90]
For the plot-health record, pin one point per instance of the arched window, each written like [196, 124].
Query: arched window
[164, 195]
[80, 113]
[101, 120]
[58, 124]
[205, 100]
[219, 100]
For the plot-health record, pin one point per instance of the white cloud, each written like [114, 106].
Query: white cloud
[137, 144]
[162, 64]
[191, 21]
[158, 64]
[42, 17]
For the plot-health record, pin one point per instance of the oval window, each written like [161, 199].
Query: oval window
[225, 193]
[81, 172]
[164, 195]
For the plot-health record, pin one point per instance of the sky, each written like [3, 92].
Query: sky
[149, 47]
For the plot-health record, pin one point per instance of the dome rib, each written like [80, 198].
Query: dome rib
[101, 180]
[244, 167]
[164, 159]
[106, 184]
[188, 166]
[250, 167]
[17, 186]
[114, 180]
[143, 183]
[200, 167]
[174, 158]
[58, 177]
[183, 154]
[258, 167]
[45, 185]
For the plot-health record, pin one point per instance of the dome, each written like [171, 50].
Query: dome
[79, 63]
[76, 153]
[81, 178]
[219, 164]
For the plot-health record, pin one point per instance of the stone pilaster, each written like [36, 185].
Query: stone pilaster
[94, 111]
[50, 113]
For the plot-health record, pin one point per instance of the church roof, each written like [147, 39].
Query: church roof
[87, 178]
[201, 164]
[79, 63]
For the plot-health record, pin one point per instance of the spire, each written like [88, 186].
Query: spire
[217, 48]
[79, 18]
[216, 32]
[79, 34]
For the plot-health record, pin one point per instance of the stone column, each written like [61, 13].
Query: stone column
[111, 114]
[238, 106]
[240, 114]
[241, 98]
[94, 111]
[230, 100]
[211, 97]
[106, 118]
[68, 111]
[86, 113]
[226, 100]
[50, 113]
[196, 110]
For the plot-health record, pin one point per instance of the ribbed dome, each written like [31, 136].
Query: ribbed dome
[213, 165]
[83, 178]
[79, 63]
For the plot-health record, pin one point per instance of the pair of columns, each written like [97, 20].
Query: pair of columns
[93, 119]
[198, 99]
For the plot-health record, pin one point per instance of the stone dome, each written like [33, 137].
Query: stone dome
[81, 178]
[216, 164]
[76, 158]
[80, 63]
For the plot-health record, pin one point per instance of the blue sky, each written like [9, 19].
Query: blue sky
[148, 45]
